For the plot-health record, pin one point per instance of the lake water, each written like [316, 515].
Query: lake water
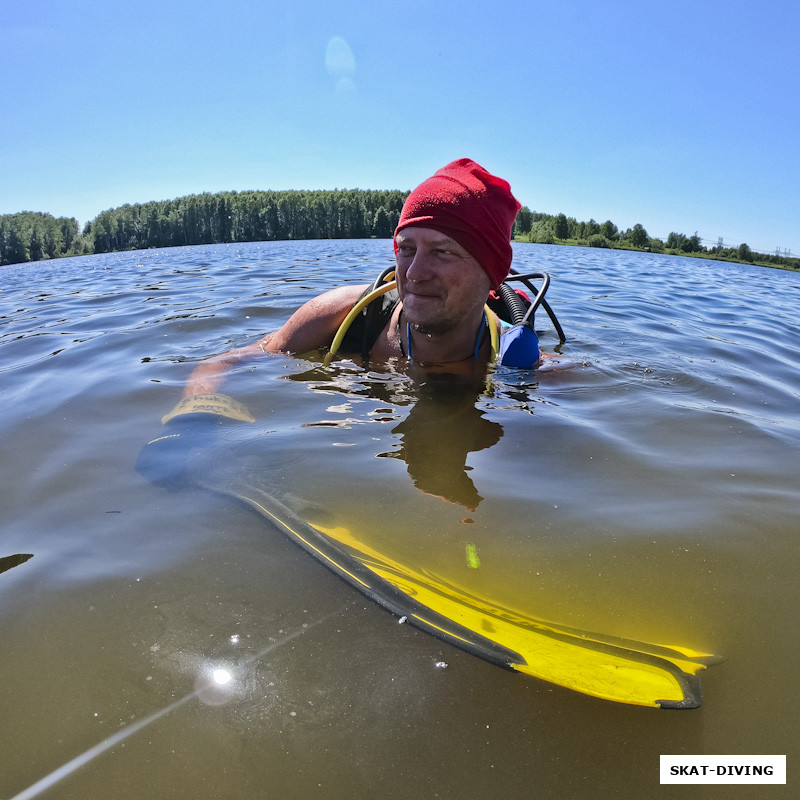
[650, 491]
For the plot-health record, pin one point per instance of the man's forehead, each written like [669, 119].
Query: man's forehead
[428, 235]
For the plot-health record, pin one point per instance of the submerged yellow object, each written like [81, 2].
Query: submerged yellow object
[608, 667]
[217, 404]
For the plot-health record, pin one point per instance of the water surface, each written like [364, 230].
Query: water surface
[649, 491]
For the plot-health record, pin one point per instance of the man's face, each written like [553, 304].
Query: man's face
[440, 283]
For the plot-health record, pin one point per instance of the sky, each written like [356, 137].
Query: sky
[682, 116]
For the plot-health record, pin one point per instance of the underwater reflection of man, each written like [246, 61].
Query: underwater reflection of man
[452, 247]
[443, 427]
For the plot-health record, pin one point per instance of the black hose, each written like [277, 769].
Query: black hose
[538, 299]
[554, 320]
[514, 303]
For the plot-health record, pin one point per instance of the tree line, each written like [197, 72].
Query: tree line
[205, 219]
[247, 217]
[532, 226]
[32, 236]
[278, 215]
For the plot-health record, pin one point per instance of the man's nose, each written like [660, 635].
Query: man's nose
[420, 267]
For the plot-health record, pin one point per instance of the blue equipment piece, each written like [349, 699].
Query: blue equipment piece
[519, 347]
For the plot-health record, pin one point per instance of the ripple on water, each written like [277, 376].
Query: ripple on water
[647, 491]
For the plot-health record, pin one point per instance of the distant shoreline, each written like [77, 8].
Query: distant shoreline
[755, 261]
[256, 216]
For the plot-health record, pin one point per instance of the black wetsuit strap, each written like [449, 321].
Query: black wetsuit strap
[367, 326]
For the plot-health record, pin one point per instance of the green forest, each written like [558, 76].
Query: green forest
[560, 229]
[337, 214]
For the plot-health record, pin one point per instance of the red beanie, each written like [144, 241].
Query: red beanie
[470, 205]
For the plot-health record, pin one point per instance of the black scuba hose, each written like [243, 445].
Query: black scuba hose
[515, 305]
[554, 320]
[538, 299]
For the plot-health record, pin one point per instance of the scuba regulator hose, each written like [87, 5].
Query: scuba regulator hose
[519, 346]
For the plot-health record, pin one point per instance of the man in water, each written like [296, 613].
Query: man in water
[452, 246]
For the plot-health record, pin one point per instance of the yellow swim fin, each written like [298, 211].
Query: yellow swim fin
[612, 668]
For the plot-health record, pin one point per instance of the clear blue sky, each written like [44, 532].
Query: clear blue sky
[680, 115]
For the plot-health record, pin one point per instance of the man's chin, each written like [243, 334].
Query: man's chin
[429, 327]
[423, 314]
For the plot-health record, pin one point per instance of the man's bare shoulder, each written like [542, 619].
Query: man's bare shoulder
[315, 323]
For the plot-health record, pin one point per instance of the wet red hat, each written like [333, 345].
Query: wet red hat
[470, 205]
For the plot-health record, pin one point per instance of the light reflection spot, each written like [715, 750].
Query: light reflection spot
[221, 676]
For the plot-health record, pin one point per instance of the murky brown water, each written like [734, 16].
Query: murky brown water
[648, 492]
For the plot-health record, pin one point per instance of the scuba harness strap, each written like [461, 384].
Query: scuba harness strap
[368, 323]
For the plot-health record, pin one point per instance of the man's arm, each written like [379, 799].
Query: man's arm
[313, 325]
